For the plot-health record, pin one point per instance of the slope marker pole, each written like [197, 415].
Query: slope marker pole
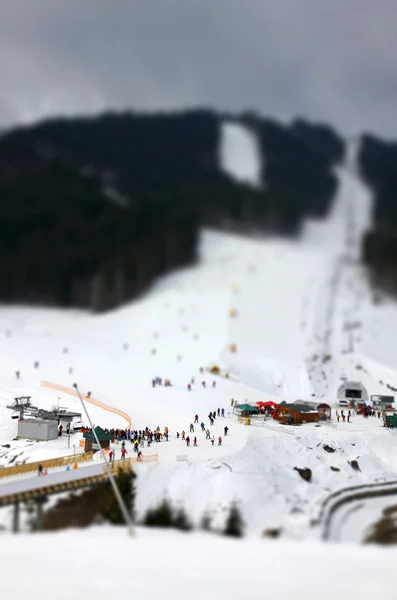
[119, 498]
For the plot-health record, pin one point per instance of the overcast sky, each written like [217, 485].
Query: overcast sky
[332, 60]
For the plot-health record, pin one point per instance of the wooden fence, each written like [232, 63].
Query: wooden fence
[46, 464]
[123, 465]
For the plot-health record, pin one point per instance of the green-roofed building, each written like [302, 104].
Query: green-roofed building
[90, 442]
[246, 409]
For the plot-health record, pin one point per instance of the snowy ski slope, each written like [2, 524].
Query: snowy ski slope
[297, 302]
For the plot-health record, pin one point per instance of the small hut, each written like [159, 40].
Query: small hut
[324, 411]
[90, 441]
[390, 420]
[296, 414]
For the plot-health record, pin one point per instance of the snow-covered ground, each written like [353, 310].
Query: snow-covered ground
[304, 319]
[90, 564]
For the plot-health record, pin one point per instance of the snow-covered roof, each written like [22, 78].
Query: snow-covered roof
[298, 407]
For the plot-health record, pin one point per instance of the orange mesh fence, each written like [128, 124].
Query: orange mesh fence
[72, 392]
[146, 458]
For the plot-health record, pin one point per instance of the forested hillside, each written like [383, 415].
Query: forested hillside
[379, 168]
[94, 208]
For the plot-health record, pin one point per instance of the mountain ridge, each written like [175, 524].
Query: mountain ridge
[121, 196]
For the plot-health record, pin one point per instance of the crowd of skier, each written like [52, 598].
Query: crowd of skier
[220, 412]
[146, 437]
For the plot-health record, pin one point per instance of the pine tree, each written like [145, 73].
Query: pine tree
[234, 523]
[111, 511]
[181, 521]
[162, 516]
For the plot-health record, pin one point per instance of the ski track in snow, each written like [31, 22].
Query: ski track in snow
[304, 319]
[239, 154]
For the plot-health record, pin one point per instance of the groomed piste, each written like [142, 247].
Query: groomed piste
[276, 316]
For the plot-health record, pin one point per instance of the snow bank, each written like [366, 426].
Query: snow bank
[194, 565]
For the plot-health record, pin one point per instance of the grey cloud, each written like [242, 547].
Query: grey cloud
[333, 61]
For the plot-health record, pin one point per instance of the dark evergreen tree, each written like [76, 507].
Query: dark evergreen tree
[378, 164]
[162, 516]
[181, 520]
[92, 210]
[234, 523]
[111, 511]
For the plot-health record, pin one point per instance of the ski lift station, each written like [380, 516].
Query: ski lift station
[42, 424]
[38, 429]
[353, 392]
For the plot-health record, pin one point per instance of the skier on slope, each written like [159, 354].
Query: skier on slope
[225, 430]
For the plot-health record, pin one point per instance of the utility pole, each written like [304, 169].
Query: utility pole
[119, 498]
